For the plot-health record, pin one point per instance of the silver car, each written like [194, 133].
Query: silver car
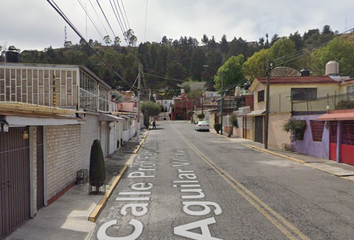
[202, 126]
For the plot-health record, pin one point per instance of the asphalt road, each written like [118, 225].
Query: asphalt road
[197, 185]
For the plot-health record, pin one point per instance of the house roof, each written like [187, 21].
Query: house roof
[337, 115]
[298, 80]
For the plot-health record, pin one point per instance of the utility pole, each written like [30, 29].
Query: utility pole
[266, 127]
[139, 83]
[222, 102]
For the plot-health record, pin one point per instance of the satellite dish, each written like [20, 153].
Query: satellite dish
[285, 72]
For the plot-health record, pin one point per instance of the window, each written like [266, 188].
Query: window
[350, 92]
[261, 96]
[317, 130]
[304, 93]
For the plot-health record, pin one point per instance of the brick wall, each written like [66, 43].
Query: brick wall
[90, 131]
[63, 156]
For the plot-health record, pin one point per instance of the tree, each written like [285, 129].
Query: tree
[297, 39]
[205, 39]
[197, 62]
[256, 65]
[224, 45]
[338, 49]
[117, 41]
[107, 40]
[230, 74]
[212, 43]
[186, 87]
[275, 38]
[175, 71]
[130, 37]
[282, 53]
[153, 109]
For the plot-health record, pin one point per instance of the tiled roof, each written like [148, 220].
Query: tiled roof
[298, 80]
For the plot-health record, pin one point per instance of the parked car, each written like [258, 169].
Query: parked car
[202, 126]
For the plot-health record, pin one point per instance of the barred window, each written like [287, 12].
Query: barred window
[261, 96]
[350, 92]
[317, 130]
[304, 93]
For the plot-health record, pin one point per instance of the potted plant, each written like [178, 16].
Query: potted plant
[296, 128]
[97, 169]
[217, 127]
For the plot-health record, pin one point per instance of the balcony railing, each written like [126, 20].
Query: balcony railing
[324, 104]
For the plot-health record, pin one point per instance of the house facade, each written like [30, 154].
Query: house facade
[330, 125]
[284, 92]
[49, 117]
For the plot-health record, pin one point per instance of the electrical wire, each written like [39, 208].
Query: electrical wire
[125, 14]
[99, 18]
[88, 15]
[117, 16]
[99, 5]
[66, 19]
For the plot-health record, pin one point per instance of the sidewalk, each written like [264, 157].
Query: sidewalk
[341, 170]
[67, 217]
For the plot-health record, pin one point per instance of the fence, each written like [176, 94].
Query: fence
[323, 104]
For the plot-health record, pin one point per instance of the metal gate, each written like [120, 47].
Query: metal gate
[14, 180]
[259, 129]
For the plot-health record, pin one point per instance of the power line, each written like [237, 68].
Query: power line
[99, 5]
[121, 12]
[125, 14]
[66, 19]
[99, 18]
[88, 15]
[117, 16]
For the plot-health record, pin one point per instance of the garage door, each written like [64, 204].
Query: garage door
[14, 180]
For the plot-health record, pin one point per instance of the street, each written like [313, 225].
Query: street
[185, 184]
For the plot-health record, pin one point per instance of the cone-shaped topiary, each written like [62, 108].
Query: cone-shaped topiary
[146, 119]
[97, 168]
[217, 127]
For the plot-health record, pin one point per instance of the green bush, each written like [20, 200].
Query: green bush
[217, 127]
[97, 167]
[296, 127]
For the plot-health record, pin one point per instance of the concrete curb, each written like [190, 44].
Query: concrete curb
[276, 154]
[350, 178]
[95, 213]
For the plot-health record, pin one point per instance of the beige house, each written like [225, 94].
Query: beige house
[282, 91]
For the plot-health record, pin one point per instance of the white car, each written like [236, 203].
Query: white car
[202, 126]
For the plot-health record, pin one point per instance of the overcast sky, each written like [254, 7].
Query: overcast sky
[34, 24]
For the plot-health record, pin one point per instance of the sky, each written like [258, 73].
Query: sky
[35, 25]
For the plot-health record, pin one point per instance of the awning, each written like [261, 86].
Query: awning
[256, 113]
[15, 121]
[339, 115]
[110, 118]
